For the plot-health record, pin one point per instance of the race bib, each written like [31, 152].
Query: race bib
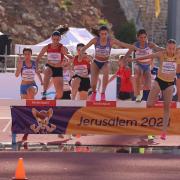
[28, 74]
[81, 70]
[143, 52]
[169, 67]
[54, 57]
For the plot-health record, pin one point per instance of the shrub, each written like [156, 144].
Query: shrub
[127, 32]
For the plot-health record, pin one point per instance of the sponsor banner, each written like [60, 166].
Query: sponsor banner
[123, 121]
[40, 102]
[41, 120]
[101, 103]
[92, 120]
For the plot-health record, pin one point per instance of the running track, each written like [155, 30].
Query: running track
[91, 166]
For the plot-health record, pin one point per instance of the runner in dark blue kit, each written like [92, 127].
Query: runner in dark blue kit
[103, 44]
[28, 70]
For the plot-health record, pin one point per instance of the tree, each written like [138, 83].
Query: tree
[127, 32]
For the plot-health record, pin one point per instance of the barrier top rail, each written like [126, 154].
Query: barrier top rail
[81, 103]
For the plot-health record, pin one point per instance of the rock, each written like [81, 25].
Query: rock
[56, 9]
[45, 32]
[20, 28]
[2, 11]
[91, 12]
[28, 17]
[52, 1]
[4, 27]
[14, 32]
[33, 21]
[36, 37]
[38, 24]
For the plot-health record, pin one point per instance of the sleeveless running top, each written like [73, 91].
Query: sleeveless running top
[54, 55]
[167, 68]
[28, 73]
[81, 68]
[143, 52]
[102, 51]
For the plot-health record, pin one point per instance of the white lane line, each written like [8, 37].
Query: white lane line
[5, 117]
[7, 125]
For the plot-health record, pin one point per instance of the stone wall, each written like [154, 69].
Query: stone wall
[143, 14]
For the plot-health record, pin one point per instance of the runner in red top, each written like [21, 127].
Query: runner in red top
[81, 81]
[124, 72]
[54, 66]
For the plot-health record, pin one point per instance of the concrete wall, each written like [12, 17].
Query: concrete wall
[173, 20]
[10, 87]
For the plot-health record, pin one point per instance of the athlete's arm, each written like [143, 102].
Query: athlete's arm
[178, 57]
[156, 47]
[39, 77]
[123, 44]
[83, 49]
[88, 58]
[127, 55]
[19, 67]
[150, 56]
[66, 52]
[42, 52]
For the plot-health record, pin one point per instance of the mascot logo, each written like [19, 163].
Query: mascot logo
[42, 117]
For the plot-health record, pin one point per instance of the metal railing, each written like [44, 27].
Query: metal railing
[9, 63]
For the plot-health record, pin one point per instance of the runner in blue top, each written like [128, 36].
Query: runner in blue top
[103, 43]
[28, 70]
[142, 68]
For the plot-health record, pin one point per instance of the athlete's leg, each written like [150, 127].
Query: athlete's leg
[31, 92]
[47, 77]
[153, 94]
[24, 96]
[178, 88]
[94, 76]
[167, 98]
[147, 80]
[58, 85]
[138, 83]
[105, 71]
[83, 95]
[146, 83]
[75, 83]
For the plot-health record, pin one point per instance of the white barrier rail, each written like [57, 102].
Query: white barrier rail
[81, 103]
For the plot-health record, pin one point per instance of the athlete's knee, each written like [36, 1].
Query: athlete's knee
[59, 95]
[31, 92]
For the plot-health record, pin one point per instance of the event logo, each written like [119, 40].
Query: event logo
[42, 117]
[120, 122]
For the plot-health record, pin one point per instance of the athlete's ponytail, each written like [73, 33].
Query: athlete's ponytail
[97, 30]
[62, 29]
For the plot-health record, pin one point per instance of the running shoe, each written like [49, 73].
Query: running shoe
[103, 97]
[163, 136]
[150, 138]
[139, 97]
[44, 96]
[93, 96]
